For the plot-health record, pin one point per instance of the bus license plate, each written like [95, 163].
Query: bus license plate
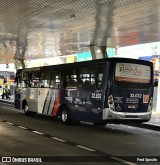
[131, 106]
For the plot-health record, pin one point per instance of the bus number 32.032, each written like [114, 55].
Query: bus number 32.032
[135, 95]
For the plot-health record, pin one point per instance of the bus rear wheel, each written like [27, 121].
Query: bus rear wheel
[65, 116]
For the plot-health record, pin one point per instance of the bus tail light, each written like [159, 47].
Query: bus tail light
[111, 103]
[150, 105]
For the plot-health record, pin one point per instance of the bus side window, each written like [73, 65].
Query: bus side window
[87, 84]
[87, 76]
[35, 83]
[56, 78]
[70, 76]
[35, 79]
[25, 84]
[45, 79]
[99, 76]
[44, 83]
[80, 84]
[26, 79]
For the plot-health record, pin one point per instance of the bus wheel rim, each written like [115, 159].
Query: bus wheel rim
[26, 108]
[64, 115]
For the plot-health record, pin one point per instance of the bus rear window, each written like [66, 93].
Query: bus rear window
[132, 73]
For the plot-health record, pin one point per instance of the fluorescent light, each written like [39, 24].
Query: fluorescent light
[68, 56]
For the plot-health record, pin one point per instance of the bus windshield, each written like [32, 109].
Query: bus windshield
[132, 73]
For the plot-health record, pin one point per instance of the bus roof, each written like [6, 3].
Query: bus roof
[88, 63]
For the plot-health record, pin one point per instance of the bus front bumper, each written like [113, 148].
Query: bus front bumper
[124, 116]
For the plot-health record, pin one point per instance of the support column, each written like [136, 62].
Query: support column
[22, 44]
[98, 52]
[103, 29]
[19, 63]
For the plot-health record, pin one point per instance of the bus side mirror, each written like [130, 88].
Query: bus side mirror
[16, 79]
[156, 83]
[5, 80]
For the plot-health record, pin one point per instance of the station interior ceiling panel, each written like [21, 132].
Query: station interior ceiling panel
[32, 29]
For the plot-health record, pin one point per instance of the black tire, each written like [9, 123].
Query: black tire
[65, 116]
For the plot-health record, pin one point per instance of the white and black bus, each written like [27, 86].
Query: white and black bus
[113, 90]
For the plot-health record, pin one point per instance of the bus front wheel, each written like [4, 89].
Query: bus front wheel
[26, 110]
[65, 116]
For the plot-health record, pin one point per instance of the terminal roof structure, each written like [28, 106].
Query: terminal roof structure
[32, 29]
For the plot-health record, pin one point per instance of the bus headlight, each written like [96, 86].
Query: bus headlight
[150, 105]
[111, 103]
